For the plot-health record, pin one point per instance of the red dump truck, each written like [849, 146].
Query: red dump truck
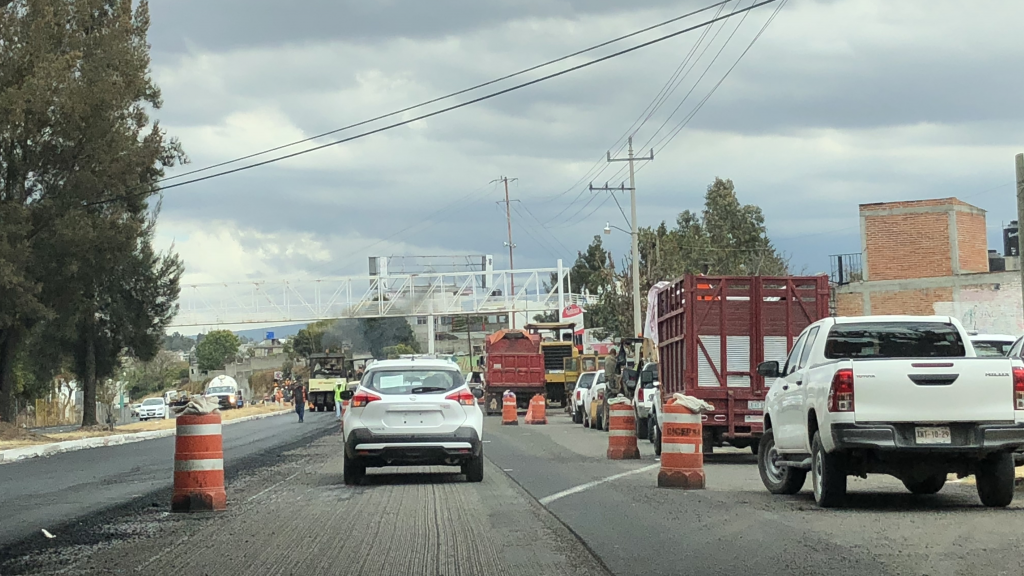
[713, 331]
[514, 362]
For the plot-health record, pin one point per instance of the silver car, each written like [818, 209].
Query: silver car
[413, 412]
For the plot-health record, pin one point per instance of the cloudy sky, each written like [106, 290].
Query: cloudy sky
[837, 103]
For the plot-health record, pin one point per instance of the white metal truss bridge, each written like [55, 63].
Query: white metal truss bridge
[394, 295]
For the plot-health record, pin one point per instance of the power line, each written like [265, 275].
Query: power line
[542, 227]
[436, 112]
[447, 96]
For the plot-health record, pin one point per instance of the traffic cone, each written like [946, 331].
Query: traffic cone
[509, 415]
[198, 464]
[536, 414]
[622, 430]
[682, 459]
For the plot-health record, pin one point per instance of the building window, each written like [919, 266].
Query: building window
[492, 319]
[446, 320]
[502, 319]
[421, 320]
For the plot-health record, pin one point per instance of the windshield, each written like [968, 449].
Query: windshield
[894, 340]
[653, 369]
[991, 348]
[154, 402]
[412, 381]
[586, 381]
[220, 390]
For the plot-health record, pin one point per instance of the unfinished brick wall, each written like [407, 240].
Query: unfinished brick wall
[907, 240]
[914, 302]
[907, 246]
[849, 304]
[972, 242]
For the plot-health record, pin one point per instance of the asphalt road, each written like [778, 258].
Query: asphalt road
[736, 527]
[49, 492]
[294, 515]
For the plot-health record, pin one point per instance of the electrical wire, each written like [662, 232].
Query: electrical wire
[448, 96]
[544, 228]
[441, 111]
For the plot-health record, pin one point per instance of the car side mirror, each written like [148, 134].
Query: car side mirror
[768, 369]
[646, 377]
[347, 394]
[478, 393]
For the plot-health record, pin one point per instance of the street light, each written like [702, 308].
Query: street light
[608, 229]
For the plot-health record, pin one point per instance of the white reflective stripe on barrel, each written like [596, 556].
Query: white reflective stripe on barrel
[198, 465]
[621, 433]
[672, 418]
[673, 448]
[199, 430]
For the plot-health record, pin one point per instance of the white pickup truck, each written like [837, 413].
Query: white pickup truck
[898, 395]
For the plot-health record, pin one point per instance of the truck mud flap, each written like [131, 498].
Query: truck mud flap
[492, 404]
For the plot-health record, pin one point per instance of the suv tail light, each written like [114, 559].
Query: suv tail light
[1018, 388]
[464, 397]
[600, 395]
[840, 395]
[363, 398]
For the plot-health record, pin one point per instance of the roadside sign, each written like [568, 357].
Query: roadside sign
[278, 375]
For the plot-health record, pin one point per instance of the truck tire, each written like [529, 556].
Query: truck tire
[777, 479]
[995, 480]
[641, 426]
[586, 419]
[929, 485]
[605, 420]
[354, 471]
[656, 437]
[828, 475]
[474, 469]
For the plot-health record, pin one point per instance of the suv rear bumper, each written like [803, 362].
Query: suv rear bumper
[965, 437]
[413, 450]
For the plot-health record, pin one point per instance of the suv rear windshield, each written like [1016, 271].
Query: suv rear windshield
[894, 340]
[653, 368]
[586, 381]
[413, 381]
[992, 348]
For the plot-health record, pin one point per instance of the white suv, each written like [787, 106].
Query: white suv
[643, 399]
[579, 395]
[152, 408]
[413, 412]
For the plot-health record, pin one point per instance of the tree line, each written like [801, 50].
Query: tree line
[725, 238]
[81, 285]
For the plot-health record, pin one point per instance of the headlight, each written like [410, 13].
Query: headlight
[231, 399]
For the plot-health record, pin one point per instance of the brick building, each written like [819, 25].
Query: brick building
[931, 257]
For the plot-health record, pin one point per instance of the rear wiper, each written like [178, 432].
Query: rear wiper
[423, 389]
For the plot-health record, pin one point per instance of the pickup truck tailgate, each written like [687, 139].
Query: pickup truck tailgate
[933, 390]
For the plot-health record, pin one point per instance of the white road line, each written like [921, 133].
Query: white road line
[582, 487]
[269, 488]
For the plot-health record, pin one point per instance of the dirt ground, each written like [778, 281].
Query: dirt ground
[12, 437]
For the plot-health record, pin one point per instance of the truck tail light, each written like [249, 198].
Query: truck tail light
[600, 395]
[1018, 388]
[840, 395]
[464, 397]
[363, 398]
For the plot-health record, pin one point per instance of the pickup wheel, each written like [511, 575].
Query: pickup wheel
[641, 426]
[577, 417]
[354, 471]
[828, 475]
[995, 480]
[777, 479]
[656, 436]
[930, 485]
[586, 419]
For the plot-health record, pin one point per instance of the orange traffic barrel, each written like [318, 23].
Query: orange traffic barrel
[622, 430]
[198, 465]
[682, 460]
[537, 412]
[509, 416]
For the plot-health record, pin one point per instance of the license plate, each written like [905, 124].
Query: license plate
[933, 435]
[755, 404]
[752, 418]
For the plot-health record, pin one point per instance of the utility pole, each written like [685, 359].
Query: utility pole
[1020, 215]
[634, 231]
[511, 245]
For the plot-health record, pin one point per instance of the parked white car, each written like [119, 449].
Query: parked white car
[413, 412]
[643, 398]
[992, 345]
[898, 395]
[594, 401]
[152, 408]
[579, 395]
